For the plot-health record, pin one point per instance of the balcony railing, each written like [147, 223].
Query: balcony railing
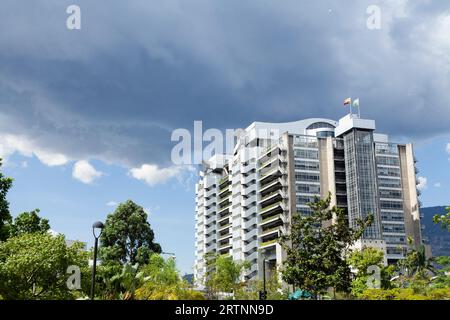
[271, 230]
[221, 210]
[271, 184]
[220, 228]
[271, 218]
[269, 243]
[221, 238]
[272, 206]
[222, 246]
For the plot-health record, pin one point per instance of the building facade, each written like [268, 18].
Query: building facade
[245, 201]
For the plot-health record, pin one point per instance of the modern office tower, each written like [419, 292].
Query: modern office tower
[245, 200]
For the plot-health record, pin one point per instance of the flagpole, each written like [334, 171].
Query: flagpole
[351, 107]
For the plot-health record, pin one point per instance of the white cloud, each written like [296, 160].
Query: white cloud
[51, 159]
[112, 204]
[85, 172]
[10, 144]
[437, 185]
[153, 175]
[53, 233]
[422, 183]
[448, 147]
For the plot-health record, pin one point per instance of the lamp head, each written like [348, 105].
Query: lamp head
[97, 225]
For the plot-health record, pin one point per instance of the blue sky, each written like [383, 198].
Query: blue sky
[91, 111]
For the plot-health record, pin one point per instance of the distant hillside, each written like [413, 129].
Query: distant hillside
[439, 238]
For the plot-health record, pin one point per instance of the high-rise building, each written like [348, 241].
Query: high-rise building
[245, 200]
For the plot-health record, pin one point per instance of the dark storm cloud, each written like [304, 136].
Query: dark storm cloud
[139, 69]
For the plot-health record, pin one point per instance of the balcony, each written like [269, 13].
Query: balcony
[209, 211]
[224, 210]
[247, 169]
[211, 248]
[248, 180]
[273, 185]
[225, 245]
[271, 219]
[266, 154]
[273, 207]
[251, 257]
[210, 202]
[269, 243]
[248, 202]
[210, 193]
[250, 223]
[274, 230]
[271, 197]
[250, 246]
[210, 219]
[223, 227]
[223, 218]
[250, 234]
[223, 180]
[210, 229]
[223, 201]
[273, 159]
[273, 172]
[211, 238]
[223, 192]
[224, 237]
[249, 189]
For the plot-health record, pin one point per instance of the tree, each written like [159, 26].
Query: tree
[5, 216]
[444, 219]
[35, 266]
[315, 252]
[252, 288]
[29, 222]
[127, 281]
[127, 236]
[442, 279]
[224, 274]
[363, 261]
[416, 262]
[162, 281]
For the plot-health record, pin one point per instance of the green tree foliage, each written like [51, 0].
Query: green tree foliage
[416, 262]
[316, 251]
[444, 219]
[162, 281]
[35, 265]
[119, 281]
[224, 274]
[29, 222]
[442, 279]
[274, 288]
[405, 294]
[5, 216]
[127, 236]
[363, 261]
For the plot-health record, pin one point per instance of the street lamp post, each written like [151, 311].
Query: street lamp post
[264, 280]
[263, 294]
[97, 225]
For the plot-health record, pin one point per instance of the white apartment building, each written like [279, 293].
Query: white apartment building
[245, 201]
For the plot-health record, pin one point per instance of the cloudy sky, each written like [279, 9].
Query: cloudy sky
[86, 115]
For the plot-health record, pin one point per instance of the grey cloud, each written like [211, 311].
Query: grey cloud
[137, 70]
